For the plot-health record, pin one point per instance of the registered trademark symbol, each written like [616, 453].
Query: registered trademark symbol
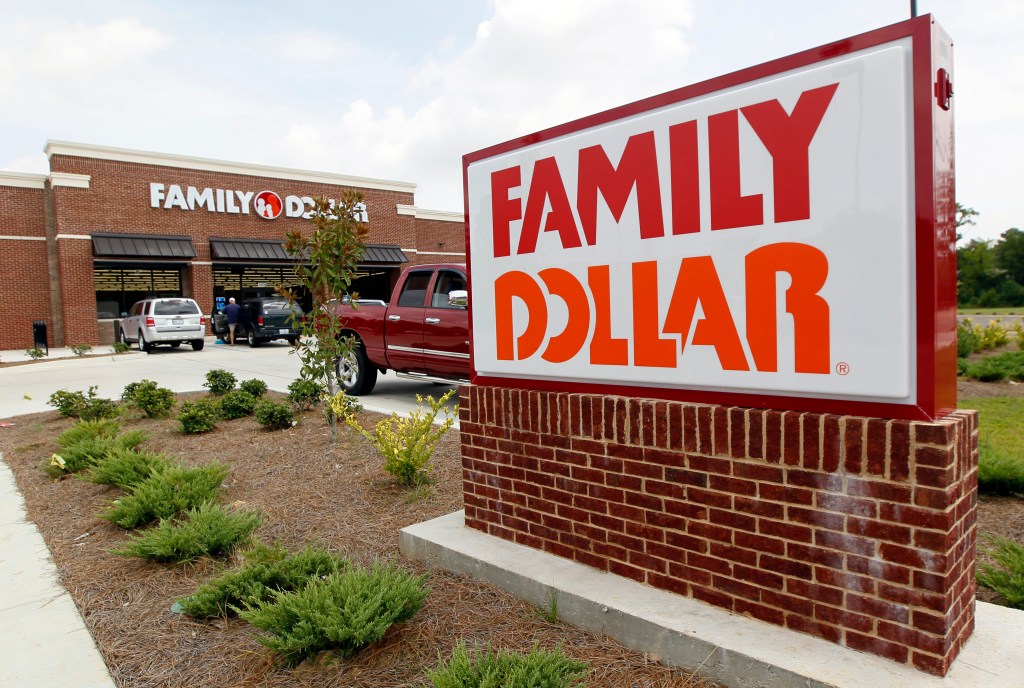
[843, 368]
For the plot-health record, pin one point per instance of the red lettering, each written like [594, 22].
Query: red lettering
[808, 268]
[729, 208]
[788, 138]
[682, 147]
[504, 210]
[638, 168]
[546, 186]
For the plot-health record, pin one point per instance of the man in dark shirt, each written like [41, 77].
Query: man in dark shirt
[234, 313]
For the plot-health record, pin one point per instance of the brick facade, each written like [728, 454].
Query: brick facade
[106, 190]
[857, 530]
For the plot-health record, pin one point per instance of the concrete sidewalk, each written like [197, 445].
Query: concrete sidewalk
[45, 640]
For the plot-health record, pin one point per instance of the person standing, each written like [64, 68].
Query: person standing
[234, 313]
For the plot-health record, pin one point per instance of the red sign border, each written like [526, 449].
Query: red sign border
[934, 232]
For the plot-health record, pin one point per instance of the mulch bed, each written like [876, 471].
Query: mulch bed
[311, 490]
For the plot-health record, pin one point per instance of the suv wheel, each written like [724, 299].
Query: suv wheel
[197, 344]
[144, 346]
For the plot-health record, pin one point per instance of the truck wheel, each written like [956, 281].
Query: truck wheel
[355, 374]
[251, 338]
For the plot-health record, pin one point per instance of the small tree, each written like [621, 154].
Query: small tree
[326, 267]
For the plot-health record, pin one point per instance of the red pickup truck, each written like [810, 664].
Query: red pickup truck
[423, 333]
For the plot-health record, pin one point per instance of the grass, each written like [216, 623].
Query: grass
[1006, 310]
[1001, 446]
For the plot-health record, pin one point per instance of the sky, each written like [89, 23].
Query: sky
[401, 90]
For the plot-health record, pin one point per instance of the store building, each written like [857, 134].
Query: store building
[109, 226]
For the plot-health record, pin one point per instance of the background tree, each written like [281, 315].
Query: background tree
[964, 218]
[326, 266]
[978, 276]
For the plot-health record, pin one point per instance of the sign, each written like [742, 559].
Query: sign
[768, 238]
[266, 204]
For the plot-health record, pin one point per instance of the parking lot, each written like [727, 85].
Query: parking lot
[27, 386]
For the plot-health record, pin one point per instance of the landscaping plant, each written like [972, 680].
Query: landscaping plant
[166, 493]
[274, 416]
[305, 394]
[207, 530]
[83, 405]
[198, 416]
[153, 400]
[35, 353]
[81, 349]
[120, 347]
[257, 388]
[326, 265]
[236, 404]
[408, 443]
[1008, 365]
[126, 468]
[506, 669]
[344, 611]
[87, 443]
[266, 569]
[220, 381]
[1006, 576]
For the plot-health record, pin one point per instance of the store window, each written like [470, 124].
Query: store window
[118, 288]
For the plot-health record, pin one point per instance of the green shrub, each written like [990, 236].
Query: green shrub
[220, 381]
[274, 416]
[961, 367]
[266, 569]
[408, 443]
[154, 401]
[88, 429]
[257, 388]
[198, 416]
[305, 394]
[340, 406]
[507, 669]
[35, 353]
[1006, 576]
[86, 406]
[120, 347]
[1008, 365]
[126, 468]
[237, 404]
[994, 335]
[81, 349]
[344, 611]
[209, 529]
[166, 493]
[999, 473]
[89, 448]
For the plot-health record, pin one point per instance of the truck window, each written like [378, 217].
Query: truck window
[414, 291]
[447, 282]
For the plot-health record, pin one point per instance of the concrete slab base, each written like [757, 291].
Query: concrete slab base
[734, 650]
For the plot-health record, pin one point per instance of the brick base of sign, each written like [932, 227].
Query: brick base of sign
[861, 531]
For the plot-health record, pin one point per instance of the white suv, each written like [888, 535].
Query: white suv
[164, 321]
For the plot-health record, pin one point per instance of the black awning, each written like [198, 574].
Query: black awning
[270, 250]
[142, 246]
[248, 249]
[383, 253]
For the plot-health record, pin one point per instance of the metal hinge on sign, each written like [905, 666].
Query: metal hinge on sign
[943, 88]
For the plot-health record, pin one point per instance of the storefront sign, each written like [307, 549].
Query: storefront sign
[266, 204]
[760, 238]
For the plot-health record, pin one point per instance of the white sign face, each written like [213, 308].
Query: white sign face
[757, 239]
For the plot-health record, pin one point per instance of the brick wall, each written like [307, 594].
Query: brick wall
[24, 288]
[74, 262]
[857, 530]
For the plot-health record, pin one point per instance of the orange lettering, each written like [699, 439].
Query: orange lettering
[511, 285]
[562, 284]
[604, 349]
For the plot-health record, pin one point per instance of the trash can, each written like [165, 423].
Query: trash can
[39, 336]
[117, 330]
